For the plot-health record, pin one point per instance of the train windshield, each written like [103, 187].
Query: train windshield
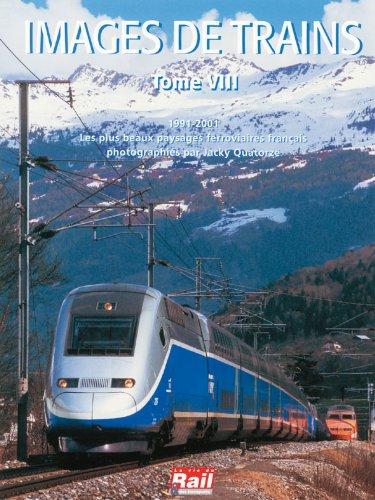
[103, 336]
[334, 415]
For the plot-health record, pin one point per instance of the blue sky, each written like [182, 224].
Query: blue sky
[274, 11]
[14, 13]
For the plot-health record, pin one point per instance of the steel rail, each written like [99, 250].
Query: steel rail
[21, 488]
[28, 471]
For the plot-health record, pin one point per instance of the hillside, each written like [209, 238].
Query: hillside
[311, 300]
[264, 217]
[346, 285]
[332, 365]
[328, 365]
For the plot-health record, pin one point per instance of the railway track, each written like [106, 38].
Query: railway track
[28, 470]
[36, 484]
[31, 484]
[65, 477]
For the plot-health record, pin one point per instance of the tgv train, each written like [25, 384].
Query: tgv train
[341, 422]
[131, 370]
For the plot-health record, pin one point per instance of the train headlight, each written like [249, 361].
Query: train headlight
[108, 306]
[63, 383]
[129, 383]
[124, 383]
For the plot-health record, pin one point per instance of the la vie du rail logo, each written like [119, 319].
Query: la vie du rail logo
[191, 481]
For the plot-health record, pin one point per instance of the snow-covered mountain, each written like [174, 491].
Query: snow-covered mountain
[332, 104]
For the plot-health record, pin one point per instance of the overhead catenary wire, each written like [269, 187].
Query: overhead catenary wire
[170, 248]
[74, 110]
[80, 174]
[311, 297]
[88, 130]
[349, 320]
[169, 221]
[166, 244]
[56, 94]
[55, 145]
[15, 138]
[65, 186]
[190, 273]
[245, 288]
[83, 189]
[85, 198]
[113, 183]
[85, 160]
[75, 187]
[183, 245]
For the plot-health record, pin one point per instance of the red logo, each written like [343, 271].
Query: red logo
[191, 480]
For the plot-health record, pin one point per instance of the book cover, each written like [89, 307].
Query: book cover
[187, 248]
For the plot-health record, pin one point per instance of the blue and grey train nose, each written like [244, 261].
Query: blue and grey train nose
[84, 408]
[88, 422]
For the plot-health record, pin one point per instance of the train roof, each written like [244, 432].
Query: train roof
[340, 408]
[117, 287]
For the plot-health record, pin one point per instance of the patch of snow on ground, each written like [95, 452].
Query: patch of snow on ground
[251, 175]
[173, 204]
[364, 184]
[231, 221]
[296, 164]
[218, 193]
[212, 180]
[165, 206]
[183, 206]
[107, 203]
[35, 198]
[204, 167]
[97, 183]
[162, 164]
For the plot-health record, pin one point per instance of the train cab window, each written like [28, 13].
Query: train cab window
[348, 416]
[334, 415]
[163, 339]
[102, 336]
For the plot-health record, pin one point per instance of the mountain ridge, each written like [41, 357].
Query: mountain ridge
[331, 103]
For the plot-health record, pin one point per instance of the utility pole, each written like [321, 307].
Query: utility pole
[24, 265]
[23, 273]
[255, 341]
[150, 246]
[370, 399]
[254, 323]
[198, 280]
[198, 283]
